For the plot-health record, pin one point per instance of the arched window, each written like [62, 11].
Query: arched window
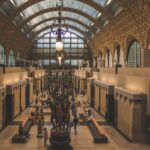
[11, 58]
[2, 55]
[108, 59]
[134, 54]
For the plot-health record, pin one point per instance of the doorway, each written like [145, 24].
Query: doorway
[9, 108]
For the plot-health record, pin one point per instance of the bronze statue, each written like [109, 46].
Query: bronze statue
[60, 88]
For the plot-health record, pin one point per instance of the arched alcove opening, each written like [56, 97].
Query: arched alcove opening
[108, 59]
[11, 58]
[119, 56]
[2, 55]
[134, 54]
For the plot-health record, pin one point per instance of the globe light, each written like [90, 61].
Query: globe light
[59, 58]
[59, 46]
[59, 61]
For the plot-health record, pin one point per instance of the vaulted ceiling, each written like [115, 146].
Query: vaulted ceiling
[83, 17]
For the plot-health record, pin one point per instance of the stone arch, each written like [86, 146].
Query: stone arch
[129, 39]
[3, 54]
[118, 54]
[108, 57]
[134, 54]
[11, 58]
[100, 58]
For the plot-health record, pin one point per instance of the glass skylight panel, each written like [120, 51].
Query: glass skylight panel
[102, 20]
[76, 16]
[7, 7]
[44, 25]
[76, 25]
[101, 2]
[67, 23]
[20, 2]
[64, 14]
[53, 2]
[114, 8]
[82, 7]
[76, 32]
[43, 32]
[43, 17]
[67, 3]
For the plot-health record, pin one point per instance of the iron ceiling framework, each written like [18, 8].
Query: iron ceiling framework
[85, 17]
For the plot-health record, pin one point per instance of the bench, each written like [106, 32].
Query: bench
[26, 126]
[18, 139]
[97, 132]
[24, 129]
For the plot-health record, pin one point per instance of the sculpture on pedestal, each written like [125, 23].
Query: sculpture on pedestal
[60, 88]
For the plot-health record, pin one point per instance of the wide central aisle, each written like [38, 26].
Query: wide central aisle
[82, 141]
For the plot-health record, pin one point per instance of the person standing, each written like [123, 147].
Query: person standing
[45, 134]
[73, 108]
[75, 123]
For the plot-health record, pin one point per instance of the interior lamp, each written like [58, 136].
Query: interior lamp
[59, 62]
[59, 58]
[59, 45]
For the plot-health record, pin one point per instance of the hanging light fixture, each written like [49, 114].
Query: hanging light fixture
[59, 45]
[60, 56]
[59, 32]
[59, 60]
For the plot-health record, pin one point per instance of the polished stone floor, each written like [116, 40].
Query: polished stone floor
[82, 141]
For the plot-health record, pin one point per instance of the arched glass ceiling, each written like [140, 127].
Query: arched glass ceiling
[66, 23]
[64, 14]
[67, 3]
[102, 3]
[97, 13]
[43, 25]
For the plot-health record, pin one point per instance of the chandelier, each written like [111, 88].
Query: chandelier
[59, 32]
[60, 55]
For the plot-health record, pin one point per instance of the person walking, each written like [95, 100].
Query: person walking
[45, 134]
[75, 123]
[73, 108]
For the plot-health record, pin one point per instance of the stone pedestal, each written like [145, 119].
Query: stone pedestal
[107, 100]
[69, 147]
[97, 95]
[60, 138]
[131, 114]
[2, 107]
[90, 91]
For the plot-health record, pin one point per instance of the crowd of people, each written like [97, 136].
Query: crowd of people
[75, 117]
